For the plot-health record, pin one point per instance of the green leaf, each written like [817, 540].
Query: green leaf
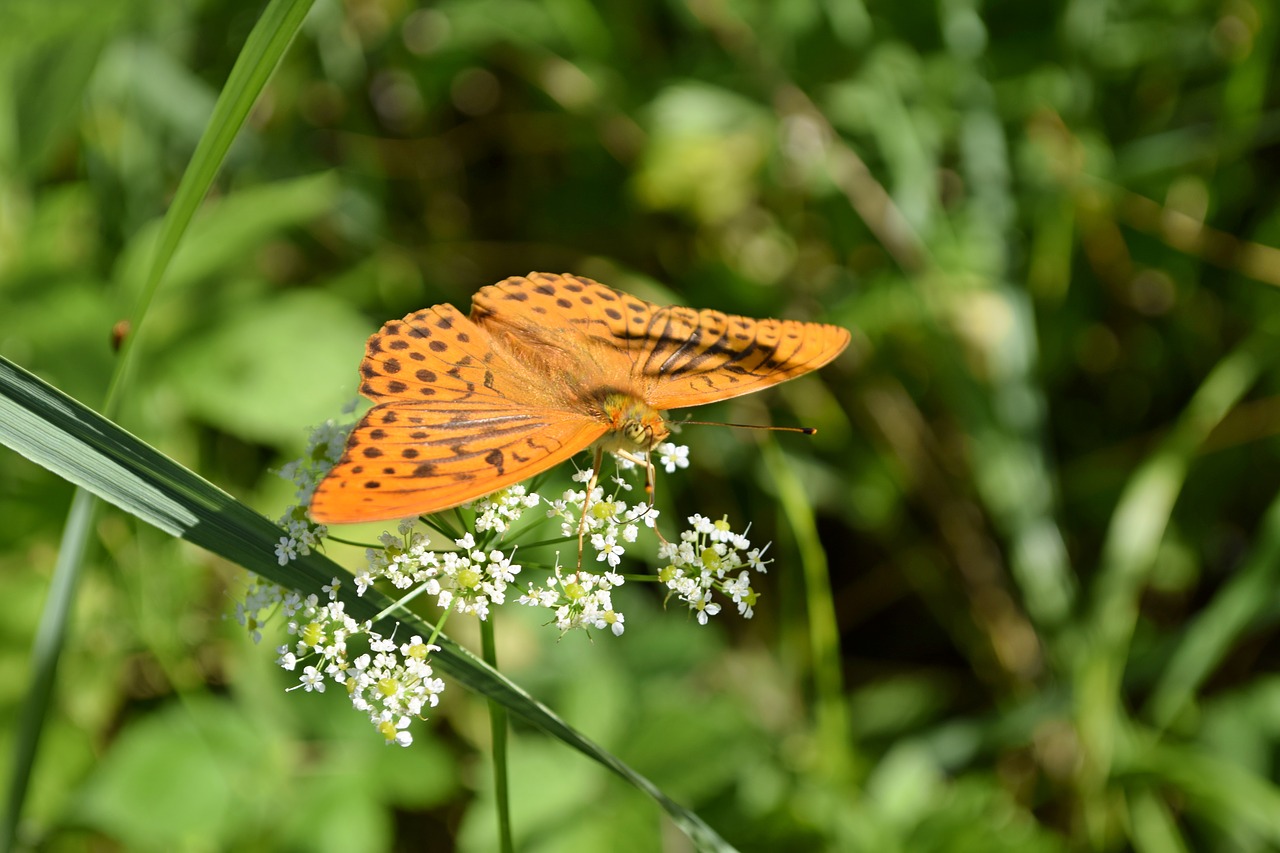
[247, 375]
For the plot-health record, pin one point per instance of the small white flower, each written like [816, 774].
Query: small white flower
[608, 549]
[312, 679]
[614, 621]
[286, 550]
[672, 456]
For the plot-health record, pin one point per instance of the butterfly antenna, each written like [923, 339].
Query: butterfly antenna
[802, 430]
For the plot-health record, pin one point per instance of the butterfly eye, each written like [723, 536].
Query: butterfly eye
[638, 433]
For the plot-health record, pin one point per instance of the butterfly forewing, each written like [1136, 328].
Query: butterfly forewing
[727, 356]
[673, 356]
[435, 354]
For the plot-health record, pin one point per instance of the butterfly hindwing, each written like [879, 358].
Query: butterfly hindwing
[561, 302]
[416, 458]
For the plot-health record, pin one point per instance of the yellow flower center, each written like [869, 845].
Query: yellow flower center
[313, 634]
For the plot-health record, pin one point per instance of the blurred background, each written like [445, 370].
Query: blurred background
[1044, 473]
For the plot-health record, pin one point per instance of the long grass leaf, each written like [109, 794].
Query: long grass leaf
[254, 66]
[1208, 638]
[262, 51]
[1133, 539]
[824, 634]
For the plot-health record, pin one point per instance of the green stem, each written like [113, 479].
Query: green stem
[558, 540]
[439, 525]
[45, 653]
[830, 714]
[329, 537]
[498, 730]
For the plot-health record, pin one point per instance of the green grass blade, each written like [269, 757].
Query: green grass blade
[831, 719]
[1152, 828]
[254, 66]
[498, 731]
[46, 651]
[1214, 789]
[1142, 514]
[267, 42]
[85, 448]
[1208, 638]
[1133, 539]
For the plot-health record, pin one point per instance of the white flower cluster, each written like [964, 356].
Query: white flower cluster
[704, 560]
[499, 511]
[391, 683]
[468, 580]
[584, 598]
[324, 449]
[302, 535]
[581, 600]
[609, 521]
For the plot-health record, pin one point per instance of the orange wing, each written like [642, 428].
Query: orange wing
[700, 357]
[455, 421]
[674, 357]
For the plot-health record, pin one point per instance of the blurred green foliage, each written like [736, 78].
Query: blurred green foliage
[1044, 474]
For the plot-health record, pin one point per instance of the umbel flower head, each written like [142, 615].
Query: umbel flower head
[392, 682]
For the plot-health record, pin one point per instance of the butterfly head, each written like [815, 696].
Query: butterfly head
[634, 425]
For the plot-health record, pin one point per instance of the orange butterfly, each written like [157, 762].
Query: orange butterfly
[546, 366]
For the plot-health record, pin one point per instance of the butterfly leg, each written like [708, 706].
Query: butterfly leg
[650, 487]
[650, 481]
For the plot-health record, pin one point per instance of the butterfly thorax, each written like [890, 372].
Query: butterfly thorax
[634, 425]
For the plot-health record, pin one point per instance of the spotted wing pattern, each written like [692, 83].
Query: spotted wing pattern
[674, 357]
[465, 407]
[455, 420]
